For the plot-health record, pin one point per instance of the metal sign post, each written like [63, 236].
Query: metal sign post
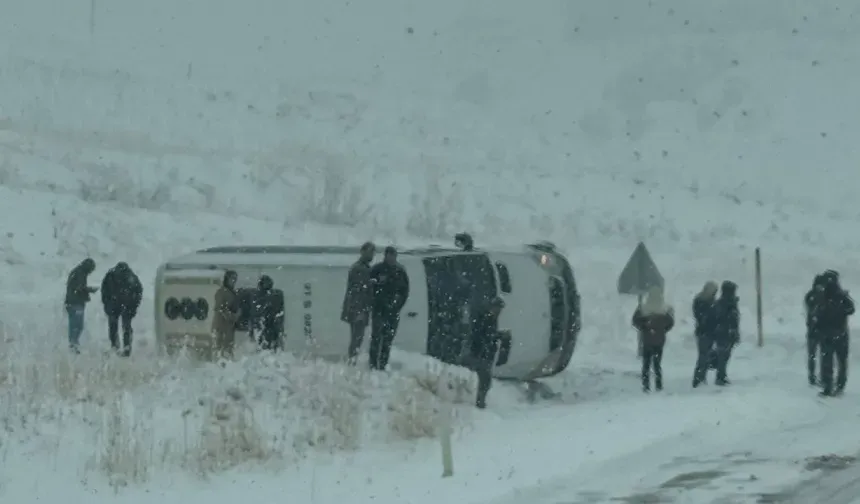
[638, 276]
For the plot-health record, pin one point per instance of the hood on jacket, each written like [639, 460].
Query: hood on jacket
[830, 282]
[88, 265]
[729, 290]
[819, 282]
[654, 303]
[265, 283]
[709, 290]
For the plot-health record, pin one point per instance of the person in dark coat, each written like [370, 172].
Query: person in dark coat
[77, 296]
[225, 316]
[484, 344]
[358, 299]
[831, 323]
[390, 292]
[654, 319]
[703, 313]
[727, 328]
[122, 293]
[811, 301]
[267, 315]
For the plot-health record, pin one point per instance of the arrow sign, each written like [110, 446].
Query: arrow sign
[640, 273]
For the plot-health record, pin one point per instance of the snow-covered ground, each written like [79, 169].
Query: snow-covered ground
[137, 131]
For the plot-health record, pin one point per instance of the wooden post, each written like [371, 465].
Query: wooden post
[445, 430]
[92, 17]
[639, 334]
[758, 296]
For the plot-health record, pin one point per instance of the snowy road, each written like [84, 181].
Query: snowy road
[715, 447]
[838, 483]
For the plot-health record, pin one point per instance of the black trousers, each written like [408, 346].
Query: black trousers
[705, 345]
[127, 332]
[356, 338]
[724, 355]
[484, 369]
[813, 346]
[652, 357]
[383, 329]
[270, 339]
[834, 348]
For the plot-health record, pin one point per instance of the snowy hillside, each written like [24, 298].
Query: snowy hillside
[138, 130]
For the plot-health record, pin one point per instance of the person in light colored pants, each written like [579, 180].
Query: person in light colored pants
[76, 325]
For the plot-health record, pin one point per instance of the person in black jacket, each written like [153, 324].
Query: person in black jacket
[267, 314]
[703, 313]
[811, 301]
[77, 296]
[831, 323]
[122, 293]
[358, 300]
[483, 346]
[727, 320]
[390, 292]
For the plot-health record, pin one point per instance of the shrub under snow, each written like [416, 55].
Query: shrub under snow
[146, 415]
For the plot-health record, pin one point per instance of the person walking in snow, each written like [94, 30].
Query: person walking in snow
[358, 299]
[831, 323]
[727, 328]
[77, 296]
[653, 319]
[811, 301]
[485, 342]
[121, 293]
[703, 314]
[390, 292]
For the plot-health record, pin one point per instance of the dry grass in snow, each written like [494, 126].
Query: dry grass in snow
[143, 415]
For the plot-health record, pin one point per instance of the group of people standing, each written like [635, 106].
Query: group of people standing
[828, 307]
[121, 295]
[717, 332]
[376, 295]
[262, 310]
[717, 329]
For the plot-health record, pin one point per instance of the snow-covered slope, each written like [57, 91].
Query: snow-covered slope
[140, 130]
[751, 105]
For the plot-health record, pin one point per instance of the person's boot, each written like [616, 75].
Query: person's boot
[826, 393]
[812, 381]
[481, 401]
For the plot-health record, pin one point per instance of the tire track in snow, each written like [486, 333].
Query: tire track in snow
[833, 486]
